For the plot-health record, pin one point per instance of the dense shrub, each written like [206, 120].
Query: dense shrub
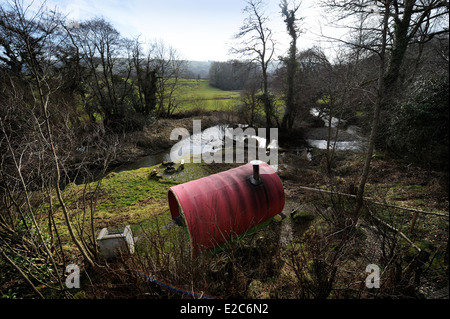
[419, 130]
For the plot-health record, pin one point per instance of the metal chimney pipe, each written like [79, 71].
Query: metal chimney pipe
[255, 179]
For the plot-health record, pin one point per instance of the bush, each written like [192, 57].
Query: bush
[419, 130]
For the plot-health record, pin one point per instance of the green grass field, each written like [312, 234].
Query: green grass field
[124, 198]
[198, 94]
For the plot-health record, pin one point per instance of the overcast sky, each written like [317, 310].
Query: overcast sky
[200, 30]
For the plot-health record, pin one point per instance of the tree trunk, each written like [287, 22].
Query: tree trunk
[376, 117]
[290, 19]
[387, 81]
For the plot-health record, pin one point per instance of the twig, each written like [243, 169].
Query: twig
[413, 210]
[22, 274]
[392, 228]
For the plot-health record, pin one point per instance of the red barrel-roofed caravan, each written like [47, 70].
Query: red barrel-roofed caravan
[222, 206]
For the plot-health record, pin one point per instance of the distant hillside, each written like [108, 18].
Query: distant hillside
[198, 69]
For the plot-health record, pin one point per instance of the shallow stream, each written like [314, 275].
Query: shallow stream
[218, 137]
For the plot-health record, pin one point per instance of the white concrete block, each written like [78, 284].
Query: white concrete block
[115, 244]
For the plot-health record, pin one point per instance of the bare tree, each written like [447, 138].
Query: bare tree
[104, 52]
[169, 67]
[146, 80]
[257, 44]
[250, 102]
[32, 114]
[389, 27]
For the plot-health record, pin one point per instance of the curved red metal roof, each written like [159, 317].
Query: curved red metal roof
[221, 206]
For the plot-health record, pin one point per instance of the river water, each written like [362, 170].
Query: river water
[217, 138]
[207, 142]
[349, 139]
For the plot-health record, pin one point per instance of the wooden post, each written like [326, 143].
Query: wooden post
[413, 222]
